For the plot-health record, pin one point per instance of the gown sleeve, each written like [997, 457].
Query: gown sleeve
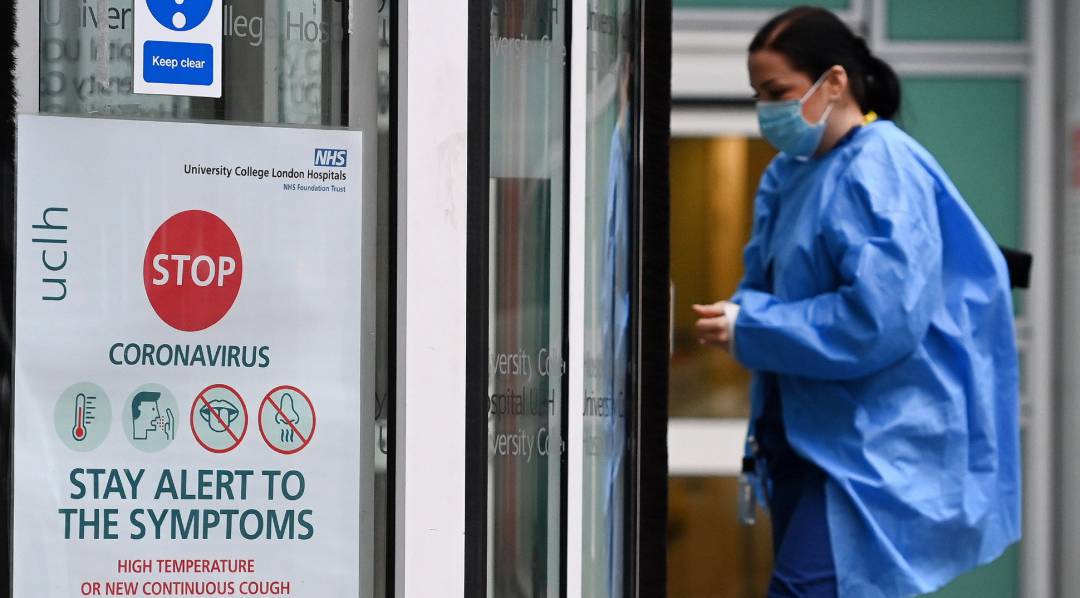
[880, 232]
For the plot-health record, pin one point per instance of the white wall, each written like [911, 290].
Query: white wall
[430, 540]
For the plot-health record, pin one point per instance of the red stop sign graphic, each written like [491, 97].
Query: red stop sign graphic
[192, 270]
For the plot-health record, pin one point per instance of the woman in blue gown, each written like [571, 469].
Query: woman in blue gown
[876, 316]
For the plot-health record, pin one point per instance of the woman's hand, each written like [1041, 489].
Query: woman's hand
[714, 328]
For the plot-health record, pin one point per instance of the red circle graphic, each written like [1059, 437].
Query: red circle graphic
[304, 440]
[192, 270]
[200, 400]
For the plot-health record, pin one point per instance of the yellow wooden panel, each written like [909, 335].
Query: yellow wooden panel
[713, 182]
[710, 554]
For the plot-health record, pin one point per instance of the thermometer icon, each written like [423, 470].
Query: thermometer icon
[78, 432]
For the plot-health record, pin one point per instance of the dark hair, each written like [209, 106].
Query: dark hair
[814, 40]
[142, 397]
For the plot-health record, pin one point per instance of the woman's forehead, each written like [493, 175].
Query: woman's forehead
[766, 65]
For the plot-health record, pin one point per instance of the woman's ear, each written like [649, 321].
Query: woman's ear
[836, 82]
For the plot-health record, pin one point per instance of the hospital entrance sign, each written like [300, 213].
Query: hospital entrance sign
[187, 300]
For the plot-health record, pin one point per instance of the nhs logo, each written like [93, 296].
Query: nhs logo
[336, 158]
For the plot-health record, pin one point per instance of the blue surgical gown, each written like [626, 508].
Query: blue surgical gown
[879, 308]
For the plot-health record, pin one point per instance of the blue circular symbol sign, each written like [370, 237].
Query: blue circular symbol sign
[180, 15]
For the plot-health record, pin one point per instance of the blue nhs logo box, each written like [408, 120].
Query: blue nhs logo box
[336, 158]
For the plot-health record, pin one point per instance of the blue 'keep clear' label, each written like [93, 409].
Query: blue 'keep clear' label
[178, 62]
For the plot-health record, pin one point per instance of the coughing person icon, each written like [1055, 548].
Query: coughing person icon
[150, 418]
[146, 416]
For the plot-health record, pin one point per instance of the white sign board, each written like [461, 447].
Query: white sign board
[177, 49]
[187, 373]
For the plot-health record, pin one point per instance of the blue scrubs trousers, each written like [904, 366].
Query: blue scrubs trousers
[802, 551]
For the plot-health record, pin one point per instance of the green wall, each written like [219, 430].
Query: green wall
[758, 4]
[1000, 579]
[974, 127]
[956, 20]
[918, 20]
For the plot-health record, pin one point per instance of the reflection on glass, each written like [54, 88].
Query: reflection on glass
[383, 297]
[527, 319]
[608, 285]
[86, 63]
[284, 61]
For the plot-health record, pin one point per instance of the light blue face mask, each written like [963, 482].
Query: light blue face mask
[782, 124]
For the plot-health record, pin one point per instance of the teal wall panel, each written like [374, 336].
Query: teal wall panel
[999, 579]
[974, 127]
[956, 20]
[758, 4]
